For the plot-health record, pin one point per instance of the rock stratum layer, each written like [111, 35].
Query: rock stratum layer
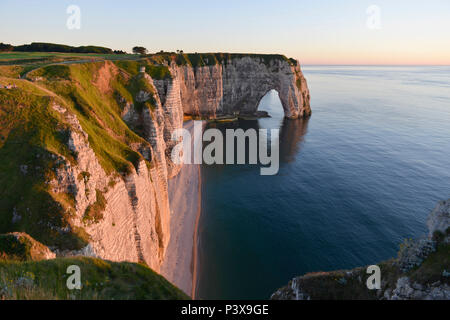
[85, 147]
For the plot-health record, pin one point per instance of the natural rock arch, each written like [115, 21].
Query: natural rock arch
[238, 84]
[248, 80]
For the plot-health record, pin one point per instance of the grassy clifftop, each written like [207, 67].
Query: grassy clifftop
[29, 270]
[209, 59]
[100, 280]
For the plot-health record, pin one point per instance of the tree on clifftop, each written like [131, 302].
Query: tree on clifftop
[139, 50]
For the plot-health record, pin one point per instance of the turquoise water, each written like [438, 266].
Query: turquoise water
[357, 178]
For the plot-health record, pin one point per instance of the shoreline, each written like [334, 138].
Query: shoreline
[195, 240]
[180, 262]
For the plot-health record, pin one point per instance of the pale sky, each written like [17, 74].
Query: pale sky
[315, 32]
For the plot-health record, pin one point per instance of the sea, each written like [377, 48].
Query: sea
[356, 179]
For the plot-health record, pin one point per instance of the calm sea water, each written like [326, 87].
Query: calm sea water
[357, 178]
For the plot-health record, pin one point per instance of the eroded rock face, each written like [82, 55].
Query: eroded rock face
[439, 219]
[291, 292]
[238, 85]
[408, 290]
[136, 217]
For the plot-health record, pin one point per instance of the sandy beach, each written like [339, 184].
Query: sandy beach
[185, 199]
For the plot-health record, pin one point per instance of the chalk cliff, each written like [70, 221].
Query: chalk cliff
[235, 84]
[99, 139]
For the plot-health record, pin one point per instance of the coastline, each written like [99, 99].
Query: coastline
[195, 239]
[180, 262]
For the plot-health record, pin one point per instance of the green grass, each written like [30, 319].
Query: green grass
[100, 280]
[36, 55]
[347, 284]
[209, 59]
[98, 112]
[94, 212]
[432, 268]
[27, 55]
[11, 71]
[157, 72]
[28, 61]
[194, 59]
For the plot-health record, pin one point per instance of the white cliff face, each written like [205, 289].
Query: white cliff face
[132, 226]
[247, 80]
[169, 98]
[201, 89]
[238, 85]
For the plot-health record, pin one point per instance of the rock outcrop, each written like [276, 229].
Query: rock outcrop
[421, 272]
[408, 290]
[439, 219]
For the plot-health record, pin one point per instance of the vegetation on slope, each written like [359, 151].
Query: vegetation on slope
[351, 284]
[32, 133]
[94, 212]
[96, 107]
[21, 247]
[100, 279]
[432, 269]
[210, 59]
[157, 72]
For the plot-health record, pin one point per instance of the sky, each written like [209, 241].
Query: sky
[314, 32]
